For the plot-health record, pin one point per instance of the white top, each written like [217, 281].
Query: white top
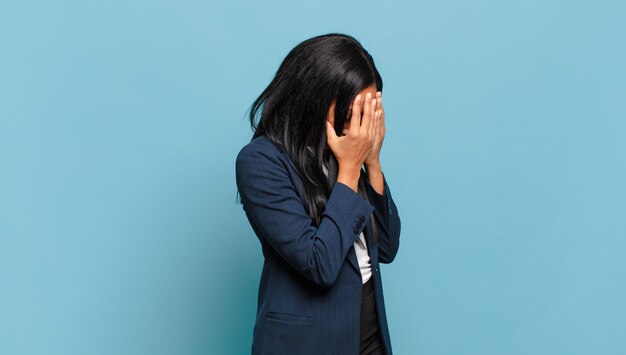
[361, 251]
[364, 259]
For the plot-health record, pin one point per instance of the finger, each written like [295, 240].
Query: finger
[376, 124]
[372, 124]
[367, 113]
[356, 114]
[331, 135]
[379, 107]
[375, 117]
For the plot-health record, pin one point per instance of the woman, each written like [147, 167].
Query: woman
[323, 221]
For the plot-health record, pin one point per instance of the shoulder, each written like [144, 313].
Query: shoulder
[259, 144]
[259, 148]
[259, 153]
[262, 169]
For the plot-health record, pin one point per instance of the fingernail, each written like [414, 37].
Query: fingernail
[358, 97]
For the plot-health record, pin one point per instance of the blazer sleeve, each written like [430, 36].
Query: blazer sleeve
[272, 205]
[387, 221]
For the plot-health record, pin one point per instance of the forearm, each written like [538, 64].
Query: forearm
[375, 175]
[386, 215]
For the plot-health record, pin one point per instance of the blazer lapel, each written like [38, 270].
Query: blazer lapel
[353, 259]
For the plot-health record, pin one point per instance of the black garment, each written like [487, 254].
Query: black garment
[371, 343]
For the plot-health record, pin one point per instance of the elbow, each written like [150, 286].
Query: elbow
[387, 258]
[320, 279]
[323, 271]
[324, 277]
[326, 282]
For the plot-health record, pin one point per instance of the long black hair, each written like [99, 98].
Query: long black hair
[317, 72]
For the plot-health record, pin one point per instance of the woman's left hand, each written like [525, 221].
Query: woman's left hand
[379, 134]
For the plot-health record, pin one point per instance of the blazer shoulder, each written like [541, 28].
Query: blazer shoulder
[260, 150]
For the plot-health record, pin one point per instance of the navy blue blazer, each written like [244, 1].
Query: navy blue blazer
[309, 299]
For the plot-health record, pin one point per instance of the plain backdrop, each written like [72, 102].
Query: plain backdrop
[505, 152]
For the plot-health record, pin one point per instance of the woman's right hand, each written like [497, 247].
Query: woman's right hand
[351, 149]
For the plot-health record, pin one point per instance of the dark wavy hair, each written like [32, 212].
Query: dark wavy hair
[293, 109]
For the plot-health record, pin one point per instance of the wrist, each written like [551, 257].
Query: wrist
[375, 176]
[350, 178]
[373, 166]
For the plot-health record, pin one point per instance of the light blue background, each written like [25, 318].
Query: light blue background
[505, 153]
